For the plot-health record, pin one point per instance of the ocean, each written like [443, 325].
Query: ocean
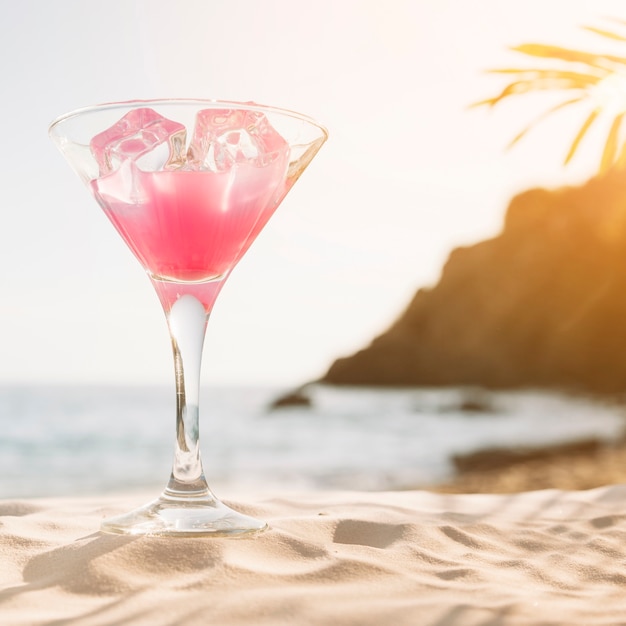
[66, 441]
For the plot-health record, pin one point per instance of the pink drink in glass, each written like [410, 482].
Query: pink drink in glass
[188, 184]
[191, 226]
[190, 213]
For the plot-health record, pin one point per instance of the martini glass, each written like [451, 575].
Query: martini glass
[188, 184]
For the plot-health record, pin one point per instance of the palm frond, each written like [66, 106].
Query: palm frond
[604, 33]
[610, 147]
[542, 72]
[542, 117]
[539, 84]
[581, 133]
[600, 61]
[595, 77]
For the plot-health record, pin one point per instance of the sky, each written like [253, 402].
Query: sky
[409, 171]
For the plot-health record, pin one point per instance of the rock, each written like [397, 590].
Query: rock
[498, 458]
[474, 401]
[298, 397]
[585, 464]
[543, 304]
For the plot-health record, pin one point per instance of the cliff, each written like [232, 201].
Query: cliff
[543, 304]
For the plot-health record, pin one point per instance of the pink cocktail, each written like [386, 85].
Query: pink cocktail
[188, 184]
[192, 220]
[191, 227]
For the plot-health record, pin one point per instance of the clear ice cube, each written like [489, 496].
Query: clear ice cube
[223, 137]
[143, 136]
[125, 188]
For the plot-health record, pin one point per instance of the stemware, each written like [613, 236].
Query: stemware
[188, 184]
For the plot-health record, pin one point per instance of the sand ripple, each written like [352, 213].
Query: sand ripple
[546, 558]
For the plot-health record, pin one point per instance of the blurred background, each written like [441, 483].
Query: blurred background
[409, 173]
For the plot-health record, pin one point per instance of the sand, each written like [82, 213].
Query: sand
[415, 558]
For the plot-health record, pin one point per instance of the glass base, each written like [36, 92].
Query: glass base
[184, 517]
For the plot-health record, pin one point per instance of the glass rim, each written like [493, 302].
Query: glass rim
[210, 102]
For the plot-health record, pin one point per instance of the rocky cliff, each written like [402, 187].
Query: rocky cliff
[542, 304]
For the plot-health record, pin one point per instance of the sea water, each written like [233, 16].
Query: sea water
[57, 441]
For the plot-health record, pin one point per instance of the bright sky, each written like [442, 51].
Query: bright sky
[407, 174]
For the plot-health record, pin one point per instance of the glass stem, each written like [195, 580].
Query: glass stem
[187, 320]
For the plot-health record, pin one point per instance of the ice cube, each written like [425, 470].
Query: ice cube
[223, 137]
[125, 187]
[143, 136]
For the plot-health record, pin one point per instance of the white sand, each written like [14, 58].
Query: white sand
[544, 558]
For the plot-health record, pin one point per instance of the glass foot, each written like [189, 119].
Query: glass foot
[184, 517]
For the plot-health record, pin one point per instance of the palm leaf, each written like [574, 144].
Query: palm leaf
[540, 84]
[605, 33]
[581, 71]
[585, 79]
[542, 117]
[610, 147]
[599, 61]
[581, 133]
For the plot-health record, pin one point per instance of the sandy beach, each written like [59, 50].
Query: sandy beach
[543, 558]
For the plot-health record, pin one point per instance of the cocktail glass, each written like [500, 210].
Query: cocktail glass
[188, 184]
